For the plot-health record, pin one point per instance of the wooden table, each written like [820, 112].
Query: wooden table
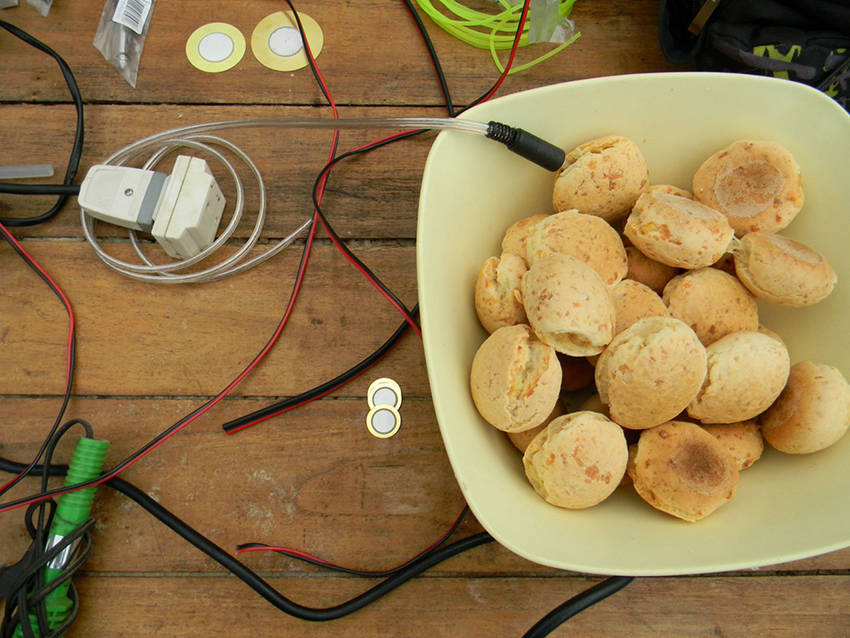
[313, 479]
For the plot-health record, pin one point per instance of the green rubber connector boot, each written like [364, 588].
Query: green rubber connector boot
[73, 510]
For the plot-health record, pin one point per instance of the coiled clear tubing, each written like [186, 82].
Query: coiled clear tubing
[199, 138]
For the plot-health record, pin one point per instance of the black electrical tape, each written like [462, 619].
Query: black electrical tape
[527, 145]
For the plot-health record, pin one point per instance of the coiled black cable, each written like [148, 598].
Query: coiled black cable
[67, 187]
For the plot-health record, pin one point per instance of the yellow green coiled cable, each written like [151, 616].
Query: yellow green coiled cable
[495, 32]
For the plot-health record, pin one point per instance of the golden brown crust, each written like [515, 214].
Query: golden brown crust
[647, 271]
[632, 302]
[813, 411]
[516, 236]
[669, 189]
[521, 440]
[677, 231]
[757, 185]
[783, 271]
[568, 305]
[587, 238]
[497, 292]
[742, 440]
[650, 372]
[712, 302]
[577, 461]
[515, 379]
[602, 177]
[746, 372]
[682, 470]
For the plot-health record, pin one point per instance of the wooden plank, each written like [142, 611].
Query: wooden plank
[312, 479]
[648, 608]
[619, 36]
[373, 196]
[192, 341]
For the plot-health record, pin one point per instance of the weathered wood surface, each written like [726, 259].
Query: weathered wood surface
[312, 479]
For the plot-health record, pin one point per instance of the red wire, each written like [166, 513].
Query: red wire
[299, 554]
[217, 399]
[320, 192]
[71, 331]
[389, 138]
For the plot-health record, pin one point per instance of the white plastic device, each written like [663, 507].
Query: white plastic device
[189, 211]
[182, 210]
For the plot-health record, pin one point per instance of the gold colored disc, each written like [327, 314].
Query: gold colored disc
[383, 421]
[277, 43]
[384, 392]
[215, 47]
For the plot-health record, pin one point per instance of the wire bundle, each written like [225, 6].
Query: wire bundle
[492, 31]
[395, 577]
[23, 584]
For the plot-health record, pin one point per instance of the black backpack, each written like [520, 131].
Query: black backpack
[806, 41]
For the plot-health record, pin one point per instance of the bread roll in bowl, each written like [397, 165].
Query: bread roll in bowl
[746, 373]
[677, 231]
[577, 461]
[650, 372]
[602, 177]
[633, 301]
[782, 271]
[647, 271]
[516, 236]
[742, 440]
[669, 189]
[813, 411]
[521, 440]
[497, 299]
[589, 239]
[682, 470]
[711, 302]
[515, 379]
[568, 305]
[756, 184]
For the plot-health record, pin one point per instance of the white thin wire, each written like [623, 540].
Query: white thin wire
[196, 137]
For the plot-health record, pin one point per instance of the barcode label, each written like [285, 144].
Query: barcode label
[133, 14]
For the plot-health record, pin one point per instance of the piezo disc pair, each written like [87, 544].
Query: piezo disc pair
[276, 43]
[384, 398]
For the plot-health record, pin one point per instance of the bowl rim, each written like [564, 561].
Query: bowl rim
[746, 83]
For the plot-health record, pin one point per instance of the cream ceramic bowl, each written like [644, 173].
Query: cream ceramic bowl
[786, 507]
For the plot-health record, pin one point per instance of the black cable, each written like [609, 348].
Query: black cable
[576, 604]
[252, 579]
[199, 541]
[305, 397]
[23, 584]
[357, 572]
[432, 54]
[71, 356]
[67, 188]
[287, 404]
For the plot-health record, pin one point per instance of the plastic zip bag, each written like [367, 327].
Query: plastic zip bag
[42, 6]
[545, 23]
[121, 34]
